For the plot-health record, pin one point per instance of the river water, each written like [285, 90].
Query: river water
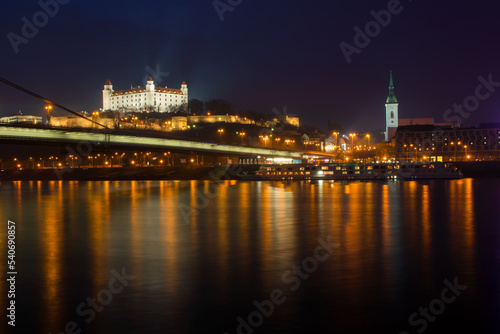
[253, 257]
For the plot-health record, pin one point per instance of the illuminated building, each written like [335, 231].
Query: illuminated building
[391, 112]
[149, 98]
[20, 118]
[392, 120]
[419, 141]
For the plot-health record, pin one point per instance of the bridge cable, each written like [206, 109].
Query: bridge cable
[48, 101]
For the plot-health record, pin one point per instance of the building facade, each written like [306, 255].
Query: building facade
[414, 142]
[218, 119]
[20, 118]
[149, 98]
[79, 122]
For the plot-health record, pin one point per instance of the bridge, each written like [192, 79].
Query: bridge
[115, 139]
[120, 140]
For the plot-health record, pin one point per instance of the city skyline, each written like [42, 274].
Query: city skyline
[311, 59]
[236, 166]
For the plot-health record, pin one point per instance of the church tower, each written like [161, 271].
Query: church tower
[391, 112]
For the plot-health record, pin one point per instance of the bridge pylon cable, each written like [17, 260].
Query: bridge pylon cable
[27, 91]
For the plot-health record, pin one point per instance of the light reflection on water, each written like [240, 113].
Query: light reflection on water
[197, 270]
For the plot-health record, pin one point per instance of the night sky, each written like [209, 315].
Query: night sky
[263, 55]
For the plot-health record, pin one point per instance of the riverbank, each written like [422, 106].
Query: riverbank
[473, 169]
[116, 173]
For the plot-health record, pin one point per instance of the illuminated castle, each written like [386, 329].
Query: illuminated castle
[149, 98]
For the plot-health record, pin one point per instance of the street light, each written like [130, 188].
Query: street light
[407, 153]
[220, 131]
[368, 136]
[416, 151]
[48, 109]
[265, 141]
[336, 137]
[95, 115]
[454, 151]
[352, 135]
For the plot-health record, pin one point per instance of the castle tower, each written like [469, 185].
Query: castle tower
[150, 90]
[106, 95]
[184, 88]
[150, 85]
[391, 112]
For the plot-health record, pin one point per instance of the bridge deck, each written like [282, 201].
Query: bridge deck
[40, 136]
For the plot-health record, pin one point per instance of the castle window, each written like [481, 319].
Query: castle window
[392, 114]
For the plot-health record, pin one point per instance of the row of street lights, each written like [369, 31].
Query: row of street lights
[414, 149]
[96, 160]
[265, 138]
[353, 135]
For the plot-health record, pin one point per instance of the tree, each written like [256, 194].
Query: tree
[150, 108]
[179, 109]
[219, 107]
[385, 150]
[196, 106]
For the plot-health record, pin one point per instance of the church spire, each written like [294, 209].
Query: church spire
[391, 98]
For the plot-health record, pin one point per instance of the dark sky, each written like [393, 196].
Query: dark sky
[263, 55]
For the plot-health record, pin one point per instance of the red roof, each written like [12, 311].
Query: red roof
[184, 82]
[108, 82]
[128, 91]
[143, 90]
[150, 79]
[168, 90]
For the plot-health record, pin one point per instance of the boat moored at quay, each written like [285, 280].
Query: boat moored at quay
[434, 170]
[356, 171]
